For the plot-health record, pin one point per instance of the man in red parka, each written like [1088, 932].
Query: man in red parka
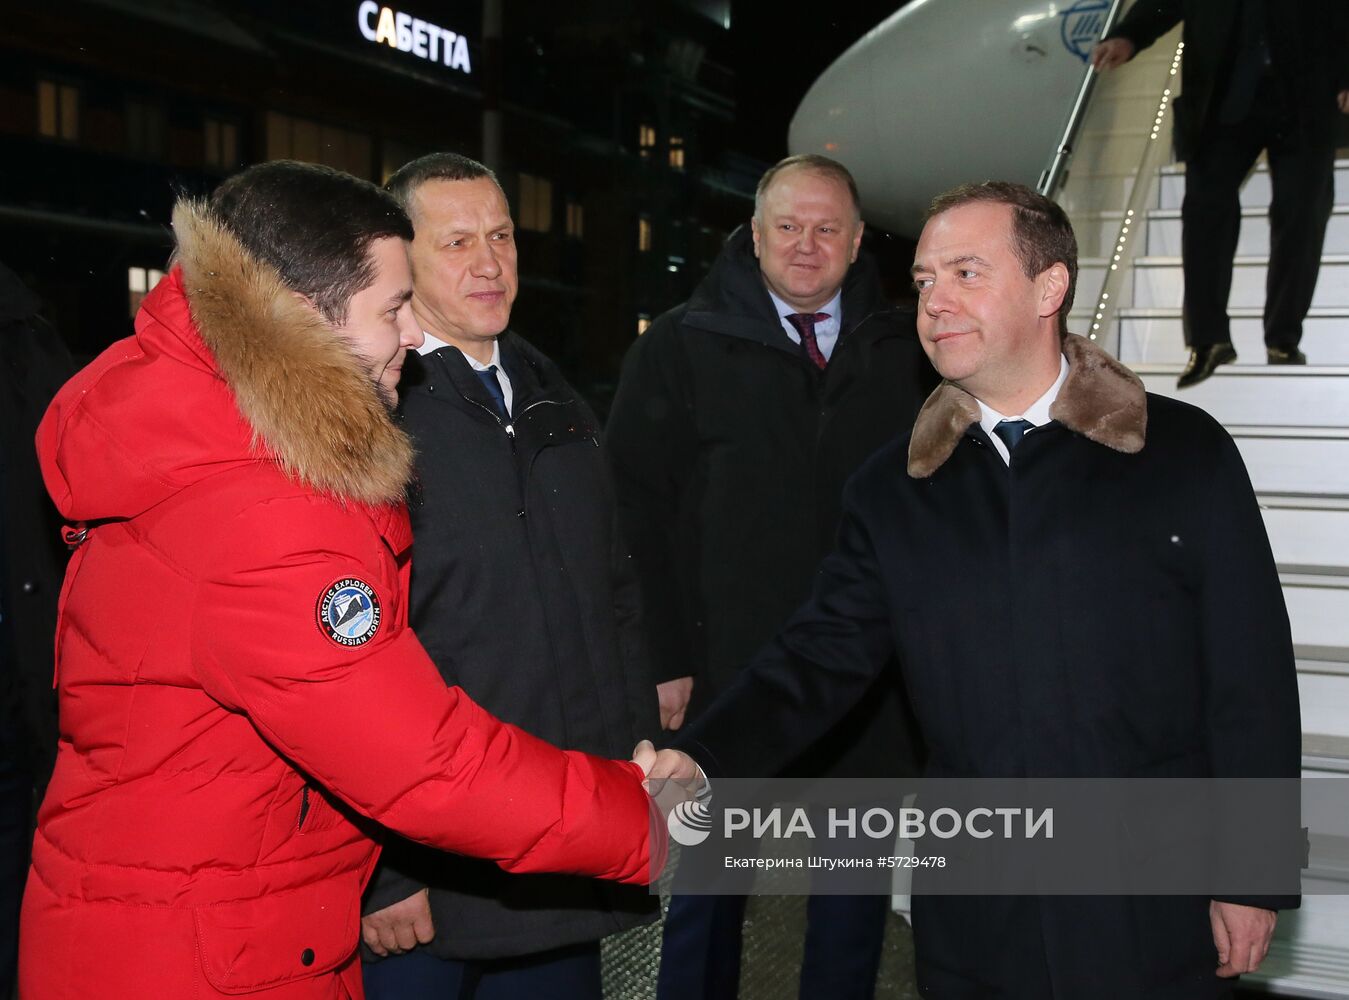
[238, 685]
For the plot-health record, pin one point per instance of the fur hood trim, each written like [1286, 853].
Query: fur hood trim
[301, 389]
[1100, 399]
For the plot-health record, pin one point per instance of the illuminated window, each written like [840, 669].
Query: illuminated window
[221, 144]
[643, 233]
[145, 128]
[290, 138]
[575, 220]
[676, 152]
[58, 110]
[643, 323]
[139, 281]
[646, 139]
[536, 204]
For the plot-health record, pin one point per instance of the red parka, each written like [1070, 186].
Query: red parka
[239, 689]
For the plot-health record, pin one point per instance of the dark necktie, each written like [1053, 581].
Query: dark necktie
[805, 325]
[1011, 432]
[488, 377]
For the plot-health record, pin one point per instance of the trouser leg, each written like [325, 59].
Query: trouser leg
[1302, 169]
[1210, 223]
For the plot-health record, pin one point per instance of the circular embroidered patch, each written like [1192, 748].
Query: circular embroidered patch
[349, 612]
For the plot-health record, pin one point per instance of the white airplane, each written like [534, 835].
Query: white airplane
[948, 91]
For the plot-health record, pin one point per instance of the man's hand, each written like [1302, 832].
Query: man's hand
[1241, 934]
[674, 701]
[399, 927]
[667, 765]
[1111, 53]
[1342, 99]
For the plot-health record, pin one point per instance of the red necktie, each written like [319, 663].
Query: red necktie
[805, 325]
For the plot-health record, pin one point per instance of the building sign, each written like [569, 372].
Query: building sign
[386, 26]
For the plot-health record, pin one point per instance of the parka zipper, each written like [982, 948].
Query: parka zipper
[304, 807]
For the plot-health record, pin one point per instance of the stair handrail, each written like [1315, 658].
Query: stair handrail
[1053, 177]
[1134, 210]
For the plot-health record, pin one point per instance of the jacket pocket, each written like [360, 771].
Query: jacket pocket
[255, 944]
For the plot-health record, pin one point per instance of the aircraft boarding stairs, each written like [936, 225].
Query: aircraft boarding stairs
[1290, 423]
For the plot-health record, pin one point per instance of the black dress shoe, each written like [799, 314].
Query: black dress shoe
[1285, 356]
[1203, 362]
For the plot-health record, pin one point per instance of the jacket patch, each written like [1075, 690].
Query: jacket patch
[349, 612]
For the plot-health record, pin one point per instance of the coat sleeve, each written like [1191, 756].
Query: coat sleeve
[652, 445]
[801, 684]
[1253, 721]
[1147, 21]
[375, 723]
[639, 666]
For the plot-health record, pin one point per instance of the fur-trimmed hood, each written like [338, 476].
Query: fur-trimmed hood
[228, 367]
[1100, 399]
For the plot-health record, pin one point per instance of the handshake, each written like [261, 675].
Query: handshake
[670, 774]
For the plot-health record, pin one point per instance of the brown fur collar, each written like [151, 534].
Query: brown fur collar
[300, 388]
[1100, 399]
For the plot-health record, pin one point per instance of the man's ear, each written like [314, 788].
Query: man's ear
[754, 232]
[1053, 288]
[857, 241]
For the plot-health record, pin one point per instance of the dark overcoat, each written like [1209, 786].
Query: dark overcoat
[523, 597]
[34, 364]
[730, 451]
[1308, 46]
[1108, 606]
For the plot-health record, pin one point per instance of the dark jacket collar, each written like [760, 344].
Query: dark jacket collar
[533, 376]
[733, 299]
[1100, 399]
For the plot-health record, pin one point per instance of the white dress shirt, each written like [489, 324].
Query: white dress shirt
[434, 343]
[1037, 413]
[826, 330]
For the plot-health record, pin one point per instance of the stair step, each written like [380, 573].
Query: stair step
[1263, 395]
[1164, 231]
[1325, 702]
[1256, 192]
[1318, 608]
[1297, 461]
[1157, 281]
[1300, 536]
[1156, 336]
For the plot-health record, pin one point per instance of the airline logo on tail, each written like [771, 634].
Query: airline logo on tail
[1081, 26]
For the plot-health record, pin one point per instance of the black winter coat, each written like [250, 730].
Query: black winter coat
[1102, 608]
[1309, 54]
[730, 451]
[523, 597]
[34, 364]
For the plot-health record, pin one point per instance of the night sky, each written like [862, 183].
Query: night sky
[778, 56]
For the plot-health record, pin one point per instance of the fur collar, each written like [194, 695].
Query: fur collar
[1100, 399]
[299, 387]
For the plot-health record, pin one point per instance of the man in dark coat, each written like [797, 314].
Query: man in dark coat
[34, 363]
[520, 593]
[738, 417]
[1257, 75]
[1077, 579]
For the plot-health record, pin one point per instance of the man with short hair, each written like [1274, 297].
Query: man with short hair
[238, 684]
[738, 417]
[521, 594]
[1077, 581]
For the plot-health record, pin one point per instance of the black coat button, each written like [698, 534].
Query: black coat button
[30, 586]
[307, 957]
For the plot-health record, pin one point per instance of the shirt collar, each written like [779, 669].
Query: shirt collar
[434, 343]
[1037, 413]
[832, 308]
